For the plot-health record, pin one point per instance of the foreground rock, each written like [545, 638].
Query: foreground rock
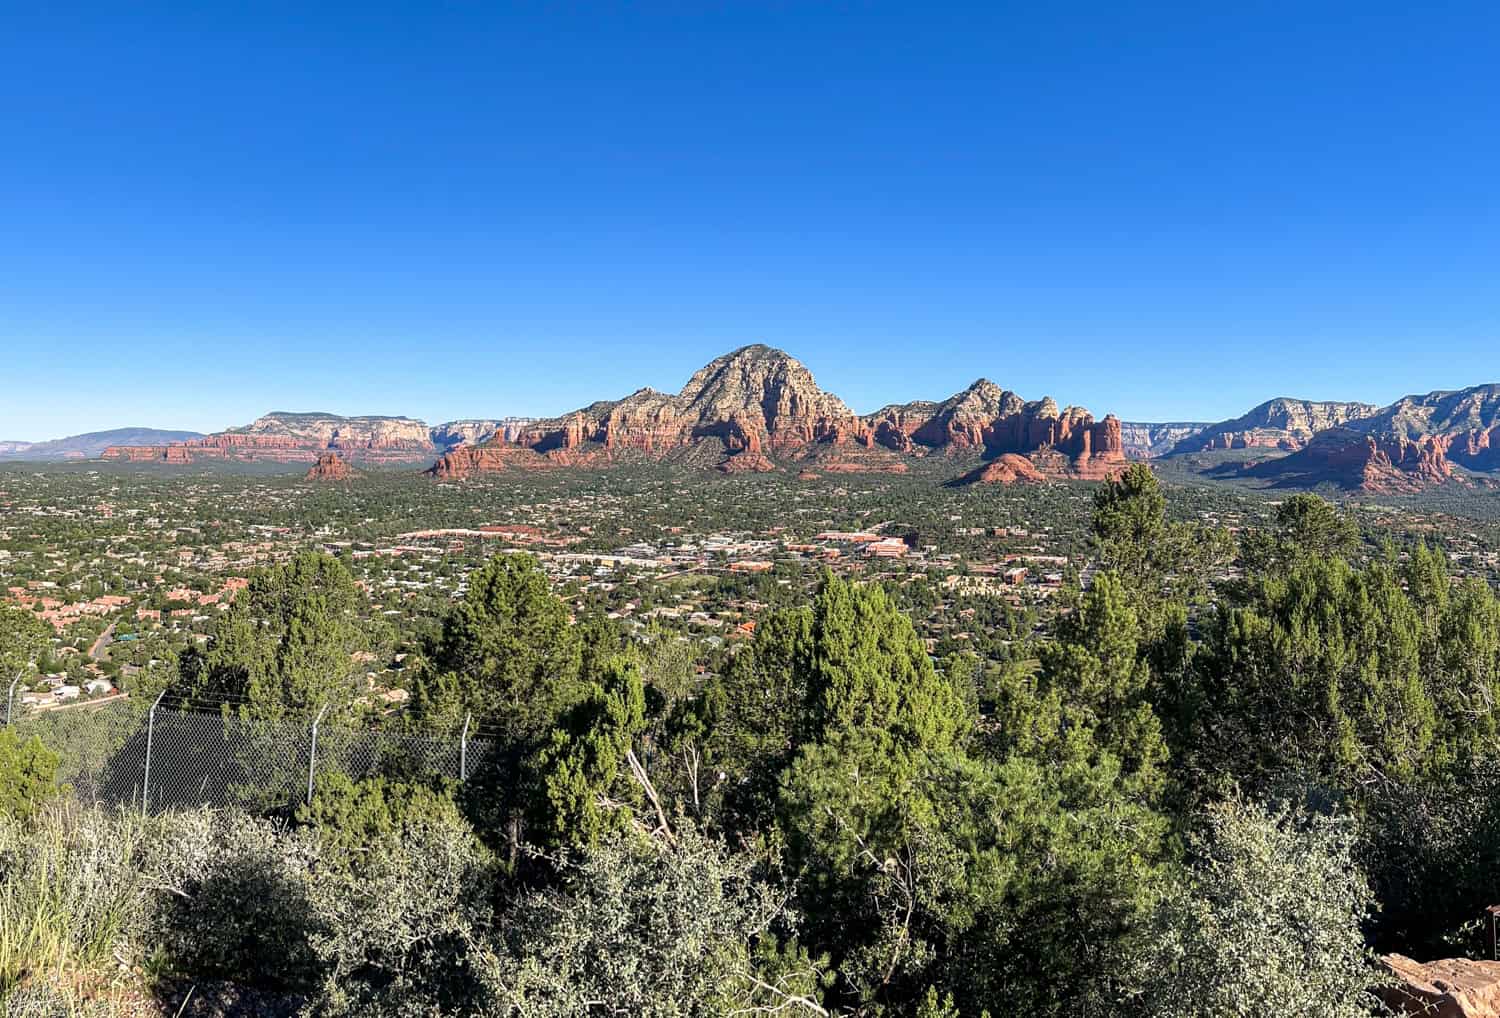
[1451, 988]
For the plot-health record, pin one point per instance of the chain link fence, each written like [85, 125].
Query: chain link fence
[163, 756]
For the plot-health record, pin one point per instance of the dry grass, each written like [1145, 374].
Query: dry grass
[71, 897]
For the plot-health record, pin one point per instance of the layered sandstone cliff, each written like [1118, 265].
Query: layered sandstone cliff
[452, 434]
[1144, 441]
[748, 405]
[995, 422]
[1408, 446]
[303, 437]
[1281, 424]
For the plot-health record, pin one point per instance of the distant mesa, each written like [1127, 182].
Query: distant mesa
[758, 409]
[1149, 441]
[330, 468]
[282, 437]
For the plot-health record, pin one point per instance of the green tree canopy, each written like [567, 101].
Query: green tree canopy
[1322, 673]
[1305, 526]
[288, 645]
[866, 667]
[1093, 696]
[587, 774]
[508, 654]
[23, 639]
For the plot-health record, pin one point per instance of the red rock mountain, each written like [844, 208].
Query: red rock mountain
[756, 406]
[1007, 469]
[1408, 446]
[988, 419]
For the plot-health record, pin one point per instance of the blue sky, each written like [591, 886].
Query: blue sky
[1162, 210]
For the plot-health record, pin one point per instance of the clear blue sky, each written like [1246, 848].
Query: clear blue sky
[1164, 210]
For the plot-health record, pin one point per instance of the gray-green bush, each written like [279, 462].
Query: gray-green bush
[1269, 921]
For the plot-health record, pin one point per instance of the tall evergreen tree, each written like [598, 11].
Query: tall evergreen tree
[287, 646]
[508, 655]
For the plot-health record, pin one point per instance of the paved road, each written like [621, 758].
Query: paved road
[100, 645]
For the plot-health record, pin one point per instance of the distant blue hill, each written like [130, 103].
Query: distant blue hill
[89, 446]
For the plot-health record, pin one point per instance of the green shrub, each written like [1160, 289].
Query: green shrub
[658, 929]
[402, 926]
[28, 775]
[352, 818]
[235, 901]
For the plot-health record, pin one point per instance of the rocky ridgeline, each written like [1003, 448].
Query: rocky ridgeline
[1284, 424]
[757, 408]
[1409, 446]
[1145, 441]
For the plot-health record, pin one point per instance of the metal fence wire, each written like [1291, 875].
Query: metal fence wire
[158, 757]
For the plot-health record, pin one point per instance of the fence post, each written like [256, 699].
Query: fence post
[10, 701]
[463, 750]
[150, 732]
[312, 752]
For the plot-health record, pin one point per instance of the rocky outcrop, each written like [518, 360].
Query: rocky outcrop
[756, 400]
[1356, 461]
[967, 420]
[1145, 441]
[1282, 423]
[1451, 988]
[329, 468]
[986, 418]
[297, 438]
[394, 435]
[1008, 469]
[495, 456]
[748, 405]
[1409, 446]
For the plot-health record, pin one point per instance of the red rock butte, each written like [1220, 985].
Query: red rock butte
[329, 468]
